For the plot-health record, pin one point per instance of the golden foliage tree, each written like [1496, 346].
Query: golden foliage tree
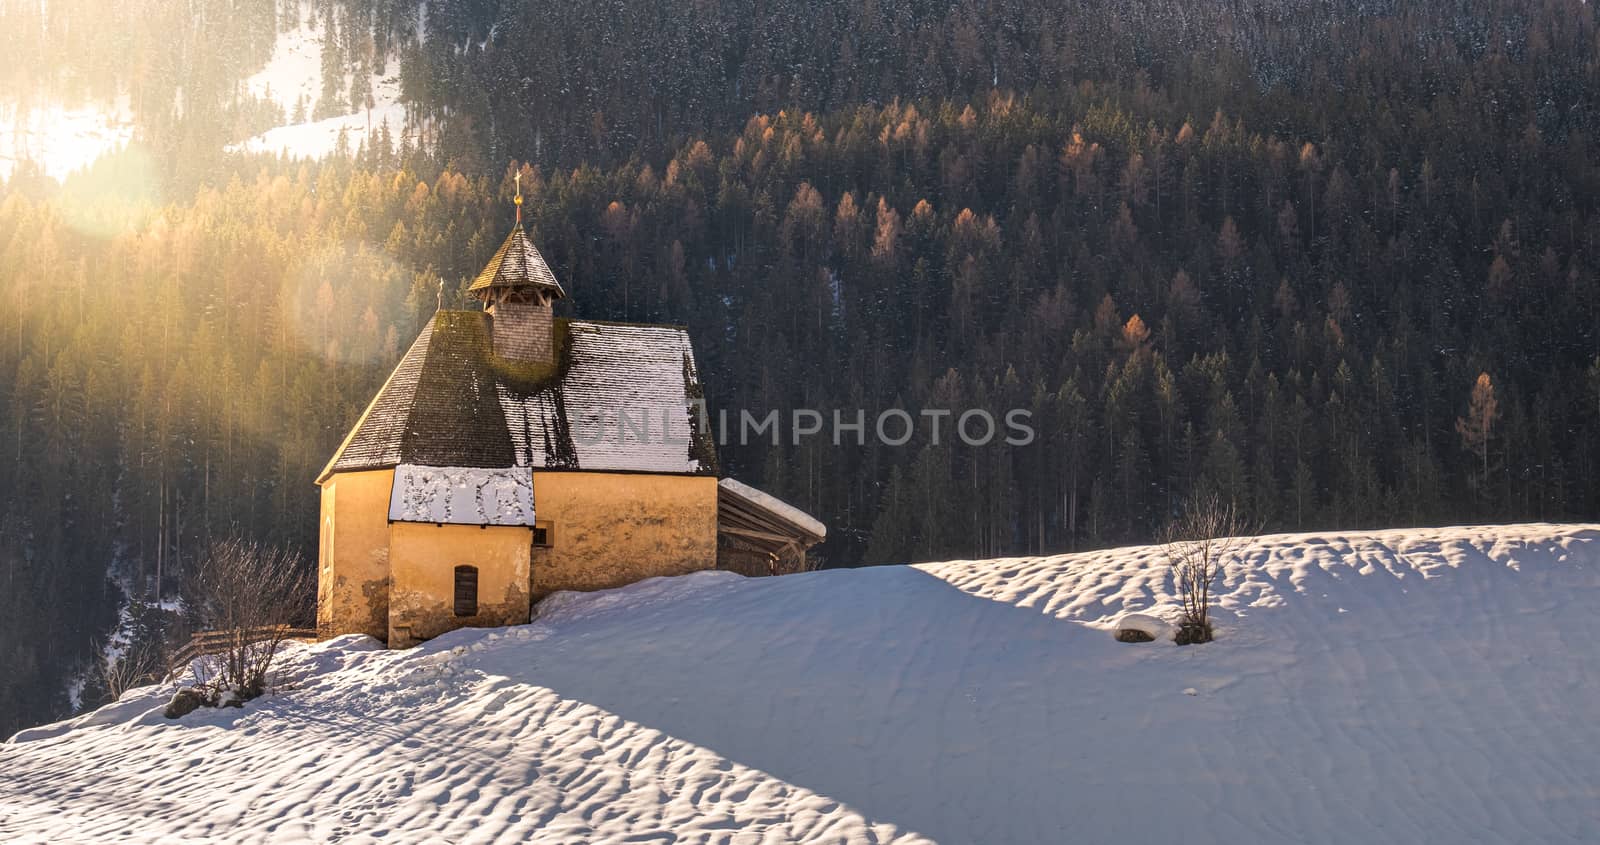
[1477, 427]
[1135, 334]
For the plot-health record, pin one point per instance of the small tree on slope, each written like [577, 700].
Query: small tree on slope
[139, 664]
[253, 593]
[1199, 544]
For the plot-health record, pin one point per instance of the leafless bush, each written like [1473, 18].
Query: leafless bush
[1199, 544]
[251, 594]
[140, 664]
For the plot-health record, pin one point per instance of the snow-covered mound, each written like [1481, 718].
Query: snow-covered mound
[1402, 686]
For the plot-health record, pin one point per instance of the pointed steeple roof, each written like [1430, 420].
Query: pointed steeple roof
[517, 264]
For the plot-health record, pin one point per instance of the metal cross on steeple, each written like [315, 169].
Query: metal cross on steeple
[518, 200]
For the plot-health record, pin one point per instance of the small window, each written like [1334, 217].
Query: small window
[541, 534]
[466, 591]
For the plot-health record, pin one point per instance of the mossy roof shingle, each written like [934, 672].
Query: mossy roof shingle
[517, 263]
[623, 398]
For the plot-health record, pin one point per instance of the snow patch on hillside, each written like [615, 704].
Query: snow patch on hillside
[62, 138]
[124, 635]
[294, 73]
[1398, 686]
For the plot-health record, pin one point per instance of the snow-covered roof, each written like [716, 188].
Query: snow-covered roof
[621, 398]
[626, 398]
[774, 508]
[461, 495]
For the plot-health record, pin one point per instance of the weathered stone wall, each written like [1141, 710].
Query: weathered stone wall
[422, 561]
[353, 559]
[610, 529]
[522, 332]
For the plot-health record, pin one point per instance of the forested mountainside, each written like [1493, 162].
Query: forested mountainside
[573, 81]
[1234, 264]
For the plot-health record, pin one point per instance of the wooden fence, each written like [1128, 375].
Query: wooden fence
[215, 642]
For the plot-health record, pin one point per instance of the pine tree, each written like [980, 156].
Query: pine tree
[331, 102]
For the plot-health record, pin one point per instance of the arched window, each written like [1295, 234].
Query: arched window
[466, 591]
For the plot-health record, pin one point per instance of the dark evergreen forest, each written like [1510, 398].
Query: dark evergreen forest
[1335, 262]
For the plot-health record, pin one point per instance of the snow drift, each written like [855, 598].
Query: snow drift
[1400, 686]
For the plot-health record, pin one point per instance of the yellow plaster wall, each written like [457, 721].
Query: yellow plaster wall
[396, 582]
[325, 574]
[353, 559]
[422, 561]
[610, 529]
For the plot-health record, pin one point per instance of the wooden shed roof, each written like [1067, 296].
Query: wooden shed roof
[764, 521]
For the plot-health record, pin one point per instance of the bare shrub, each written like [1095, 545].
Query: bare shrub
[1199, 544]
[251, 594]
[140, 664]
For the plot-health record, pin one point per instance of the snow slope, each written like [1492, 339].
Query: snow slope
[295, 71]
[62, 138]
[1401, 686]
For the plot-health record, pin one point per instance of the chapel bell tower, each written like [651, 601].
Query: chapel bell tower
[518, 290]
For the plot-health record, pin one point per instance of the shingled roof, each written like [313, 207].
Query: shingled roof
[517, 264]
[621, 398]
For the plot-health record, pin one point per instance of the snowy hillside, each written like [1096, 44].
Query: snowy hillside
[293, 76]
[60, 138]
[1402, 686]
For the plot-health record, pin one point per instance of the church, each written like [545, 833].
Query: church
[512, 454]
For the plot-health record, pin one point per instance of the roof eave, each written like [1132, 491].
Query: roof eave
[560, 292]
[338, 454]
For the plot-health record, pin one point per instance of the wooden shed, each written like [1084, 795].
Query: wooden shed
[759, 534]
